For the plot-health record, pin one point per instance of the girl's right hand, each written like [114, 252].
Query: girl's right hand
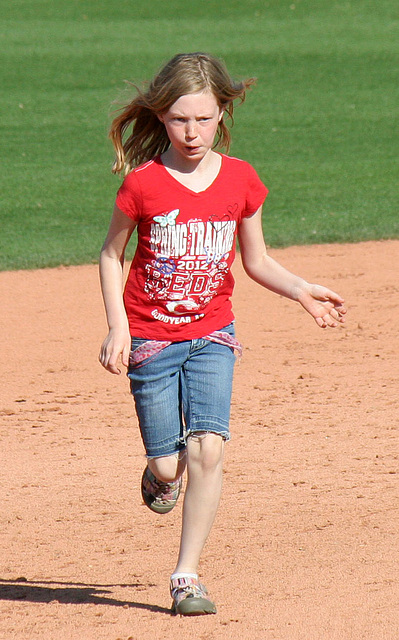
[116, 344]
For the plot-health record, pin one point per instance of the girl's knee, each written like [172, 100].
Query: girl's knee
[205, 449]
[168, 468]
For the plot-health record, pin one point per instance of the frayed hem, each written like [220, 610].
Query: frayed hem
[180, 453]
[203, 433]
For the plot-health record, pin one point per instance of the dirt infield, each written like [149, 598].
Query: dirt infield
[305, 545]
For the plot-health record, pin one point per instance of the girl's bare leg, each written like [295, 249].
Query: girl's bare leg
[202, 496]
[168, 468]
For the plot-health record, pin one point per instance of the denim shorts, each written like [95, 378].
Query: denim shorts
[184, 389]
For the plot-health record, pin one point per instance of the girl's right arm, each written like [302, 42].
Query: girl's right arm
[118, 341]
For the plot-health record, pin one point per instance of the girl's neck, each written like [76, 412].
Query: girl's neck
[197, 176]
[175, 162]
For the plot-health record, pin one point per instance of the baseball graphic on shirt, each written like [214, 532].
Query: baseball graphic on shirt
[180, 307]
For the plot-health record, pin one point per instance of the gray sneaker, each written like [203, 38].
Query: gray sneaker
[159, 496]
[190, 597]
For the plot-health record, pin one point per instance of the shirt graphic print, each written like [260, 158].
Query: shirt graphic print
[190, 263]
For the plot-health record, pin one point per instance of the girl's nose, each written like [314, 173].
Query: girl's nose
[191, 130]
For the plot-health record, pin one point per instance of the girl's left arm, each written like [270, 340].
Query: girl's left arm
[324, 305]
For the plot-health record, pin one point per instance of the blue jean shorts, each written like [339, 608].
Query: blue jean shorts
[184, 389]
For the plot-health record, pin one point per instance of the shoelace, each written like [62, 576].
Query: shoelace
[162, 490]
[182, 587]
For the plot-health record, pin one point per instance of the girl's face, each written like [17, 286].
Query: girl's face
[191, 124]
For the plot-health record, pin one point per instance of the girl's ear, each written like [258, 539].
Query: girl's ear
[160, 117]
[222, 110]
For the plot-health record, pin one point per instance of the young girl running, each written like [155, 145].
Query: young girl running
[173, 325]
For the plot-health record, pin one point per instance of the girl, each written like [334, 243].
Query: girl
[173, 325]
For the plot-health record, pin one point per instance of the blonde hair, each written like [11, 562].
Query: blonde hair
[184, 74]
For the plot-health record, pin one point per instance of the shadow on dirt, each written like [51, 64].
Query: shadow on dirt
[71, 593]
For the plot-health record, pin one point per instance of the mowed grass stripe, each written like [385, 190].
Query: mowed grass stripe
[319, 127]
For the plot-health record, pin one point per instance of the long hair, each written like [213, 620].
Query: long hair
[184, 74]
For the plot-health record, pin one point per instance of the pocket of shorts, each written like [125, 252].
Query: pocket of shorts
[137, 342]
[230, 329]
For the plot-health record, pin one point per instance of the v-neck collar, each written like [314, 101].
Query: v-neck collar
[182, 186]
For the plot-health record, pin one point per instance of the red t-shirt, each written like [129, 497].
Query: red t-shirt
[179, 285]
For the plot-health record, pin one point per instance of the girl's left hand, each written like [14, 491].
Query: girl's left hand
[324, 305]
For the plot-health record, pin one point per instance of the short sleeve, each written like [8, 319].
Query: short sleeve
[256, 193]
[128, 198]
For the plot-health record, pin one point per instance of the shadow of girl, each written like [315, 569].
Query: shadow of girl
[22, 589]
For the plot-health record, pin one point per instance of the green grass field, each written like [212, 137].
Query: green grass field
[320, 126]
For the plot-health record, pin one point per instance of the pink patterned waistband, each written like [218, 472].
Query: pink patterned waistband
[151, 348]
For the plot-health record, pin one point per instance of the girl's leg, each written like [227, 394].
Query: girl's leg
[162, 481]
[202, 496]
[207, 383]
[168, 468]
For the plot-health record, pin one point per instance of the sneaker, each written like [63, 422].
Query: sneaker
[190, 597]
[159, 496]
